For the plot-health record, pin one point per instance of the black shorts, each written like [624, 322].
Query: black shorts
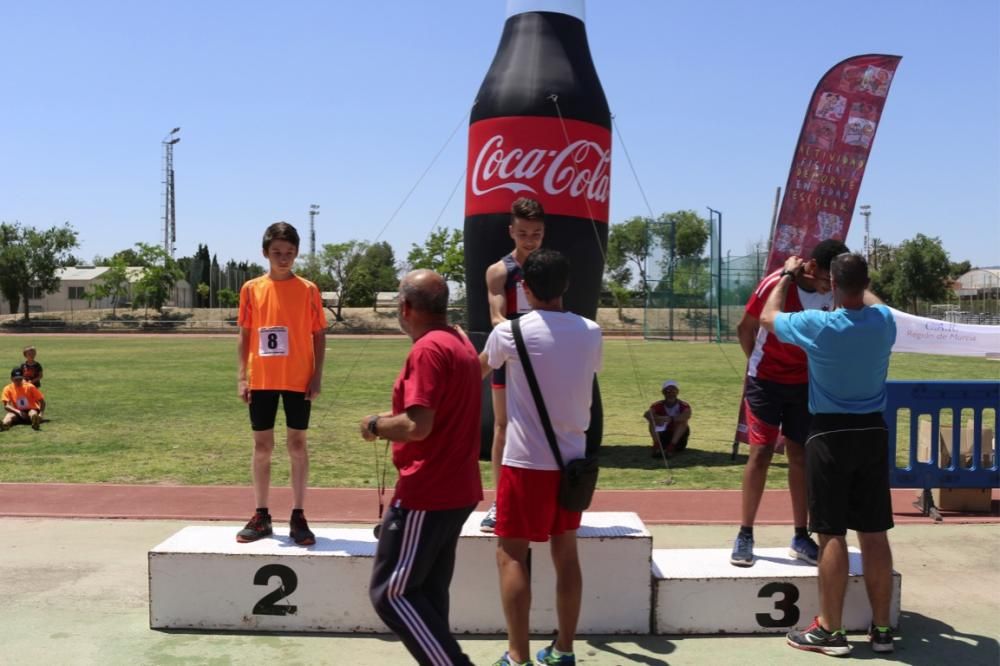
[773, 405]
[666, 435]
[264, 407]
[847, 474]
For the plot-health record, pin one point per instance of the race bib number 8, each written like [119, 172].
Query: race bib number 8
[273, 341]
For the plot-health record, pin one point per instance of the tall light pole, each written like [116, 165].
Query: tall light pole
[169, 210]
[313, 212]
[866, 210]
[716, 254]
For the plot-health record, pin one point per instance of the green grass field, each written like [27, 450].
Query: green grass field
[152, 410]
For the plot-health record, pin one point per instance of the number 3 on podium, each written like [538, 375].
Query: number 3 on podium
[786, 604]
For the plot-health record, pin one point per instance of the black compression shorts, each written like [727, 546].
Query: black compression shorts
[264, 407]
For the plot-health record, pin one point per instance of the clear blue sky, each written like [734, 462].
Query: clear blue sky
[283, 105]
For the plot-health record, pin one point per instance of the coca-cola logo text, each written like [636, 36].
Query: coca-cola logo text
[563, 163]
[579, 169]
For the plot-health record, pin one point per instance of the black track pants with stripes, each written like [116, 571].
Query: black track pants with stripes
[414, 561]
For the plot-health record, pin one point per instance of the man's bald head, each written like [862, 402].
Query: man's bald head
[425, 291]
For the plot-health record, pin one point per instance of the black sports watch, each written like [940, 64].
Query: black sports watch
[373, 425]
[784, 272]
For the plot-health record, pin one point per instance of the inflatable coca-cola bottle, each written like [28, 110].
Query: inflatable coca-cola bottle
[540, 128]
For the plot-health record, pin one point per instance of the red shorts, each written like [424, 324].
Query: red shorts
[759, 432]
[772, 409]
[528, 507]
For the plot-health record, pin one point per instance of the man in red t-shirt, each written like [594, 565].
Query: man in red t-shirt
[434, 430]
[669, 421]
[777, 400]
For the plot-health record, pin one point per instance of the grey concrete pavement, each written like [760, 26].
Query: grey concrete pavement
[76, 593]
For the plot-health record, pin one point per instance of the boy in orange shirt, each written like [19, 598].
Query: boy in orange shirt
[22, 402]
[281, 351]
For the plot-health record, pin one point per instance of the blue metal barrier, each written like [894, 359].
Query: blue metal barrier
[930, 398]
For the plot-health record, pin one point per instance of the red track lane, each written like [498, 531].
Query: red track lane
[349, 505]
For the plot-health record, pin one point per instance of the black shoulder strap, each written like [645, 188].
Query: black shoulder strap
[529, 373]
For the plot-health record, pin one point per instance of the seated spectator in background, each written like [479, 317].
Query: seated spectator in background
[668, 421]
[22, 402]
[31, 368]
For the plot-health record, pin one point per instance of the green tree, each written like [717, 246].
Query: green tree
[198, 269]
[132, 257]
[236, 273]
[443, 253]
[113, 284]
[681, 235]
[621, 296]
[919, 270]
[879, 254]
[338, 261]
[374, 271]
[31, 258]
[203, 292]
[311, 268]
[882, 282]
[13, 265]
[228, 298]
[629, 244]
[691, 234]
[214, 281]
[958, 269]
[152, 289]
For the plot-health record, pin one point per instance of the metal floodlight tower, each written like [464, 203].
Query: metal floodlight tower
[169, 202]
[866, 210]
[715, 261]
[313, 212]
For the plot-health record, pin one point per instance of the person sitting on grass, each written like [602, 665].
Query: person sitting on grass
[22, 402]
[668, 421]
[31, 368]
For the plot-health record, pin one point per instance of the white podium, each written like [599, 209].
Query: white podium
[614, 553]
[699, 592]
[201, 578]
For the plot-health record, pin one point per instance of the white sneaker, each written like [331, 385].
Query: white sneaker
[490, 521]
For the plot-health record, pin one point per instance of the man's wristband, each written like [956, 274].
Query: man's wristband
[373, 425]
[784, 272]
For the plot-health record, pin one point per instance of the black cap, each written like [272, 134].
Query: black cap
[17, 373]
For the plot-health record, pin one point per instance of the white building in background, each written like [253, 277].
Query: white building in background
[76, 281]
[978, 293]
[977, 281]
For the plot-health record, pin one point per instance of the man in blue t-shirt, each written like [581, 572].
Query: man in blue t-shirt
[847, 467]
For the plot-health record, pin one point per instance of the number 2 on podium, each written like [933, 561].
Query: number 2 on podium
[289, 581]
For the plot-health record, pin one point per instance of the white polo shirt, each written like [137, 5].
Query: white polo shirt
[565, 351]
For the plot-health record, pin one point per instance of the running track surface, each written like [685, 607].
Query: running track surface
[350, 505]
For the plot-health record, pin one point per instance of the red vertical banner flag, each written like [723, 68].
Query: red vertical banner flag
[831, 155]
